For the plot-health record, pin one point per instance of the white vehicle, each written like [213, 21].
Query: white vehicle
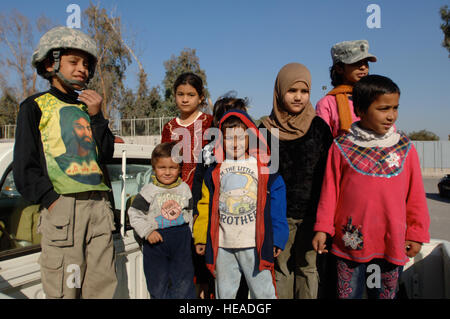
[425, 276]
[19, 244]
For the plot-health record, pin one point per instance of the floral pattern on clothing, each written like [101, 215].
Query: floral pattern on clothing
[393, 159]
[353, 236]
[345, 275]
[375, 161]
[208, 154]
[352, 279]
[389, 280]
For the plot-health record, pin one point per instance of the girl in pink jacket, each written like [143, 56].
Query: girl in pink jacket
[372, 202]
[350, 64]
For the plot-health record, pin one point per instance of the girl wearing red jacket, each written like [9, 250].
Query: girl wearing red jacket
[372, 202]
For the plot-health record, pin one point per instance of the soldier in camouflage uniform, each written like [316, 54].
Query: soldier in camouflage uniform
[62, 139]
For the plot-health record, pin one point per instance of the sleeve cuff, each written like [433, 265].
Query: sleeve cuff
[98, 117]
[417, 236]
[324, 228]
[49, 198]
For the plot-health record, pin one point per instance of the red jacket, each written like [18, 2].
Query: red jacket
[372, 201]
[194, 144]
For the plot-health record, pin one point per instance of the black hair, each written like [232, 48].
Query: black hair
[225, 103]
[369, 88]
[162, 150]
[336, 77]
[192, 79]
[231, 122]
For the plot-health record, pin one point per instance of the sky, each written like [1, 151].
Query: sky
[242, 44]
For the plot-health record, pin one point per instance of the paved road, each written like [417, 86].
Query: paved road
[439, 210]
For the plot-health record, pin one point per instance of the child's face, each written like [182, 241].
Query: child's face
[166, 170]
[352, 73]
[187, 99]
[74, 65]
[236, 143]
[296, 98]
[381, 114]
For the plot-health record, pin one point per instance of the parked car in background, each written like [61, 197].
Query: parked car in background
[444, 186]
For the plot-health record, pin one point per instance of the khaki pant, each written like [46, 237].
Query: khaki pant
[77, 258]
[295, 268]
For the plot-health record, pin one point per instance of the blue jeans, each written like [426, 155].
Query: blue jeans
[168, 266]
[231, 264]
[378, 276]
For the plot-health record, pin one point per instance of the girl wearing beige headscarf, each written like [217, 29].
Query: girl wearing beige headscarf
[301, 151]
[291, 125]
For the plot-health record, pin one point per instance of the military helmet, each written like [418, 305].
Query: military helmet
[61, 38]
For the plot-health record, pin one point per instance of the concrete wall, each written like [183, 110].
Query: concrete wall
[146, 140]
[434, 157]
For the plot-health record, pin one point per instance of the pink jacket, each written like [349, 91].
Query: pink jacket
[372, 201]
[327, 109]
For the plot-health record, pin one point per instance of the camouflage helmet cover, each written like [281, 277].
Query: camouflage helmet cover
[63, 38]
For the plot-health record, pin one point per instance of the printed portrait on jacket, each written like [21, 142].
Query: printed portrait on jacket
[79, 161]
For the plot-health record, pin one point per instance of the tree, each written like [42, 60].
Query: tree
[8, 108]
[423, 135]
[148, 101]
[16, 36]
[187, 61]
[113, 58]
[445, 27]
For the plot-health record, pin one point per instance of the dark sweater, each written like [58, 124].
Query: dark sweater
[302, 165]
[29, 165]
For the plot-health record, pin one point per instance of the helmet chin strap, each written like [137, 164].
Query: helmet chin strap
[71, 83]
[67, 82]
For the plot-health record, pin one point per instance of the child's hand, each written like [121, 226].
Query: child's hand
[318, 242]
[154, 237]
[200, 249]
[92, 99]
[412, 248]
[276, 251]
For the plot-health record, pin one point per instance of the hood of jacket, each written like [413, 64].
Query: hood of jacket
[258, 147]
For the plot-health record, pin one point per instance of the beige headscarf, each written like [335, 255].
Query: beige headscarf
[291, 126]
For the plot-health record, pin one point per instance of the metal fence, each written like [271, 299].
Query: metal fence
[7, 131]
[142, 126]
[433, 155]
[125, 127]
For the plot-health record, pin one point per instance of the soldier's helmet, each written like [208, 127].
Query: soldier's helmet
[63, 38]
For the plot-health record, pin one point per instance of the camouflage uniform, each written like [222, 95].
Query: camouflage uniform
[77, 258]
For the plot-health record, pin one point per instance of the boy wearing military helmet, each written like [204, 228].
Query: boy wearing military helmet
[62, 140]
